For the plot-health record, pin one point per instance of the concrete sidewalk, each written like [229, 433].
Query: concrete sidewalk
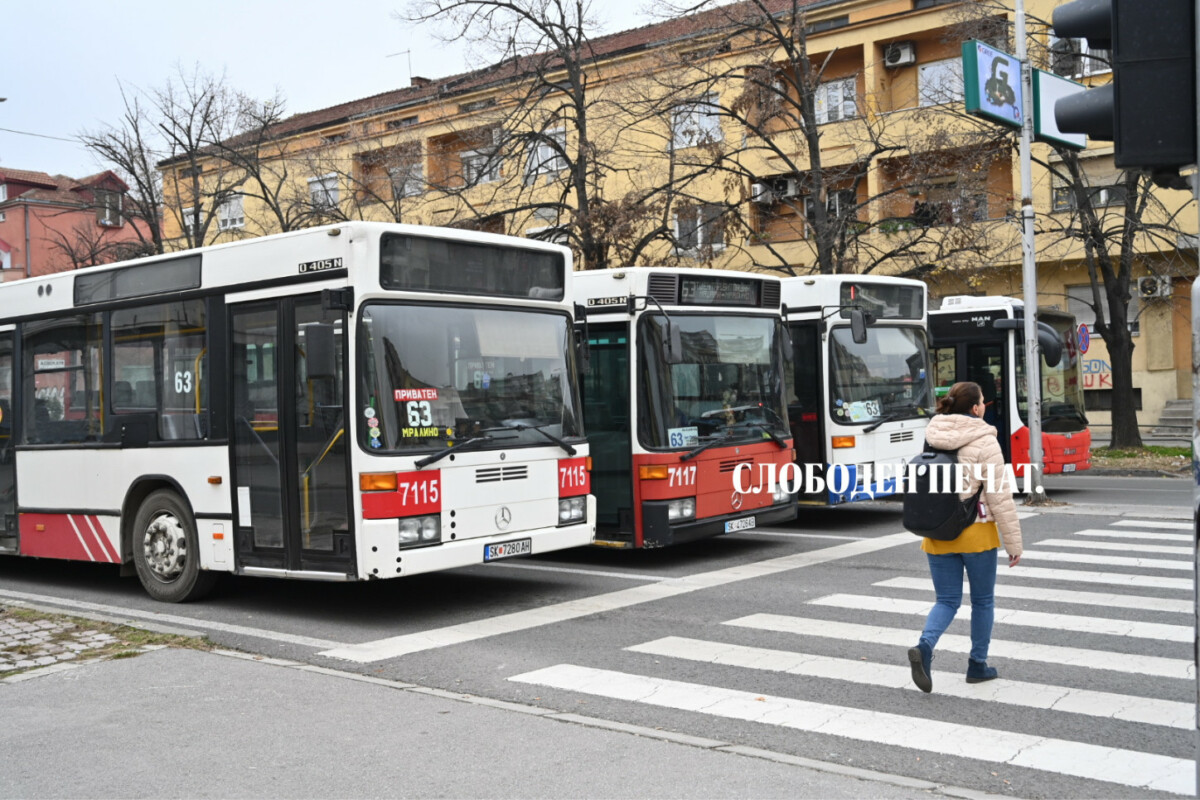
[188, 723]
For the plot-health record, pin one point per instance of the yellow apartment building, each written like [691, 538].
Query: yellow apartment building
[698, 153]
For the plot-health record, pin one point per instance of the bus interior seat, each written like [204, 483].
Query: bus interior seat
[145, 394]
[122, 394]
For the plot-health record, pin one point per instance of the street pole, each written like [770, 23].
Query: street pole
[1196, 419]
[1033, 360]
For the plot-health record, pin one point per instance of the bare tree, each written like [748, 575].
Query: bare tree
[130, 148]
[542, 155]
[1119, 218]
[756, 69]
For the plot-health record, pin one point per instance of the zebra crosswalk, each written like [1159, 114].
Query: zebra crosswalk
[1098, 649]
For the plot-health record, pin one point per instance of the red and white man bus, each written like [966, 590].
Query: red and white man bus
[683, 386]
[858, 401]
[343, 403]
[981, 339]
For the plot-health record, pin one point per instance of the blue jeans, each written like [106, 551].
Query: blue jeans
[947, 572]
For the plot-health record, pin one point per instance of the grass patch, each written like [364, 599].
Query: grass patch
[126, 642]
[1149, 450]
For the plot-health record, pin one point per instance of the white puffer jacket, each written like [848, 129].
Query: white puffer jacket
[976, 443]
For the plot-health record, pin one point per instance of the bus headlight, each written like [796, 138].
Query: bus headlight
[420, 530]
[572, 509]
[780, 494]
[684, 508]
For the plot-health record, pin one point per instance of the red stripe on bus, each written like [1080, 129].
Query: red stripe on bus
[56, 539]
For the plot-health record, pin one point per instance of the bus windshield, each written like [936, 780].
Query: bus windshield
[1062, 388]
[727, 382]
[885, 378]
[433, 376]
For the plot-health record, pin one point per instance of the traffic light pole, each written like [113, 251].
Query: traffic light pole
[1033, 360]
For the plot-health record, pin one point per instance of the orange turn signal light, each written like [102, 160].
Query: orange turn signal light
[843, 441]
[588, 463]
[655, 472]
[377, 481]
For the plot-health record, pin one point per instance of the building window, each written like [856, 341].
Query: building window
[940, 82]
[408, 180]
[699, 227]
[696, 123]
[324, 191]
[187, 221]
[108, 208]
[835, 100]
[1073, 58]
[480, 166]
[3, 216]
[230, 214]
[3, 192]
[406, 122]
[5, 259]
[547, 154]
[1079, 303]
[1101, 197]
[839, 203]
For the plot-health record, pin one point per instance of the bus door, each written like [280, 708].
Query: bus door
[984, 364]
[806, 398]
[606, 411]
[8, 464]
[290, 450]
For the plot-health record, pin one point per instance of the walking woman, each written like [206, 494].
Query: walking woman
[959, 426]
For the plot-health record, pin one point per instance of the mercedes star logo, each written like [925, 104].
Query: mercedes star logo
[736, 500]
[503, 517]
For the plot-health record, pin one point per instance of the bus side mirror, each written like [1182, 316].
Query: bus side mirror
[582, 346]
[320, 351]
[1051, 344]
[858, 325]
[674, 344]
[786, 339]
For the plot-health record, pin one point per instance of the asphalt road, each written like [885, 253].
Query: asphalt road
[789, 639]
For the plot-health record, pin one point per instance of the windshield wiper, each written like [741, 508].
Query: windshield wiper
[770, 433]
[467, 444]
[521, 426]
[900, 412]
[716, 440]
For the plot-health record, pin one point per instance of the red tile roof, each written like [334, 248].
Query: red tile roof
[57, 189]
[26, 176]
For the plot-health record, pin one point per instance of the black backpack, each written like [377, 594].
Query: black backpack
[936, 514]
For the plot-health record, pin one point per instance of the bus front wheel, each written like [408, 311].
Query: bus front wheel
[166, 550]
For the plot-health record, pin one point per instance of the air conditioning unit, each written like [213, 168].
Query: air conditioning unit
[900, 54]
[787, 187]
[1151, 286]
[761, 193]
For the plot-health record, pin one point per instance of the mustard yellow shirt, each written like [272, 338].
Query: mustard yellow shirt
[976, 538]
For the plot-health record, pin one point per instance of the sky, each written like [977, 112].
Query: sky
[66, 61]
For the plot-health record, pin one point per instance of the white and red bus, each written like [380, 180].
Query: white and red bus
[343, 403]
[684, 385]
[858, 402]
[981, 339]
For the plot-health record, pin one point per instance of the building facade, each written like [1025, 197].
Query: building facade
[714, 140]
[52, 223]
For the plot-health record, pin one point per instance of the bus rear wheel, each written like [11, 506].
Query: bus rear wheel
[166, 550]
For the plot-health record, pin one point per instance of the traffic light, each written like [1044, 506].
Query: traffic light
[1148, 110]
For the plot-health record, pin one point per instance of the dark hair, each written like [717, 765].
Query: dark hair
[961, 398]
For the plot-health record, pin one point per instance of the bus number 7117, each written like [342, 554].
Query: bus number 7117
[682, 476]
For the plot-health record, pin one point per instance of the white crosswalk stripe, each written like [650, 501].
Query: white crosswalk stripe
[1044, 595]
[1073, 684]
[1136, 535]
[1112, 561]
[1029, 619]
[1153, 523]
[1059, 655]
[1128, 579]
[1031, 695]
[1147, 771]
[1084, 544]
